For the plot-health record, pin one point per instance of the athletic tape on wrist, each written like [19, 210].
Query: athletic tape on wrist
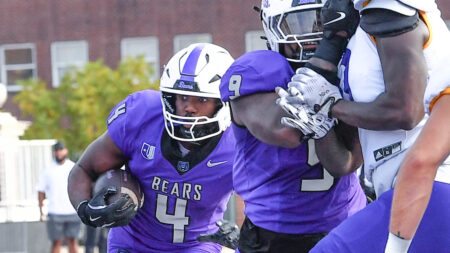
[396, 244]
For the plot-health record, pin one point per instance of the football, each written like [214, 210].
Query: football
[125, 182]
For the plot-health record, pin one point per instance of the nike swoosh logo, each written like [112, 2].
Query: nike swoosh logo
[211, 164]
[341, 16]
[90, 218]
[108, 224]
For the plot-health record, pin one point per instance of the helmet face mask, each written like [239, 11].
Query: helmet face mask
[195, 71]
[293, 29]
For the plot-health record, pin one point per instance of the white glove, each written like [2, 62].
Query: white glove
[311, 124]
[309, 87]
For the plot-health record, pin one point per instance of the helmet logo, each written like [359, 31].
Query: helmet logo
[301, 2]
[186, 85]
[266, 4]
[183, 85]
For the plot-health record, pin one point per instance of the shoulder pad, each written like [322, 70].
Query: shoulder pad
[421, 5]
[392, 5]
[405, 7]
[386, 23]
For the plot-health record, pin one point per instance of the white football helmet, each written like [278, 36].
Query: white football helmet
[195, 71]
[294, 22]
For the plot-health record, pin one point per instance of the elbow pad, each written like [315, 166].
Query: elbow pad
[386, 23]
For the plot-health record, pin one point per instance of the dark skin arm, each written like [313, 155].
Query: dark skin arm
[343, 143]
[405, 78]
[100, 156]
[262, 117]
[401, 110]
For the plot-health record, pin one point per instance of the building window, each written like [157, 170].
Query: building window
[183, 40]
[147, 47]
[254, 42]
[66, 56]
[18, 62]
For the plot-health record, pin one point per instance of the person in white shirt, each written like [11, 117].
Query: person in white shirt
[62, 221]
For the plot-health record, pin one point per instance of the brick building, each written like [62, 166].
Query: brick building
[42, 38]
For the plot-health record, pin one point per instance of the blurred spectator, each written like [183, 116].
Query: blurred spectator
[62, 221]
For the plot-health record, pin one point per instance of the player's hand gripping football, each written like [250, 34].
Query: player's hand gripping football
[311, 88]
[227, 235]
[97, 213]
[311, 124]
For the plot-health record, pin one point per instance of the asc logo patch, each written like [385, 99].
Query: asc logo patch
[182, 166]
[387, 151]
[147, 151]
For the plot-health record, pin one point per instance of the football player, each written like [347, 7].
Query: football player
[291, 201]
[176, 142]
[394, 50]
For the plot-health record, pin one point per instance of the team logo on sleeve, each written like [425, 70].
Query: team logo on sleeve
[148, 151]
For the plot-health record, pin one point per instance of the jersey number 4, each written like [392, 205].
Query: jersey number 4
[320, 184]
[178, 219]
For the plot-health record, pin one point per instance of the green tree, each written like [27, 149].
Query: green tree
[76, 111]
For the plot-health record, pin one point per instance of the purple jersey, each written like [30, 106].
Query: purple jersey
[184, 196]
[285, 190]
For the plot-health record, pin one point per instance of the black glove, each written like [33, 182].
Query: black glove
[227, 235]
[97, 213]
[339, 15]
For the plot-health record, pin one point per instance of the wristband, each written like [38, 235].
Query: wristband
[396, 244]
[331, 49]
[331, 107]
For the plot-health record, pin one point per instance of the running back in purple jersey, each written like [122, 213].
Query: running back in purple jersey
[184, 197]
[285, 190]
